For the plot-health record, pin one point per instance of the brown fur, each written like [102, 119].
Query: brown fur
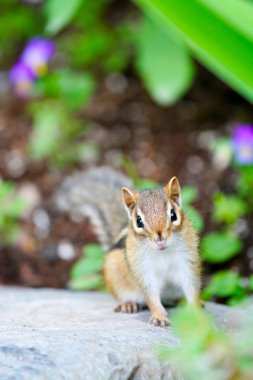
[136, 266]
[121, 268]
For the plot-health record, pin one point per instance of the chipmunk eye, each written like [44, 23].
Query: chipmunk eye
[173, 215]
[139, 222]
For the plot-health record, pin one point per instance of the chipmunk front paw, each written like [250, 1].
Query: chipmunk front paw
[159, 322]
[128, 307]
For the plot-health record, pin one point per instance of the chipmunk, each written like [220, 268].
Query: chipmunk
[153, 255]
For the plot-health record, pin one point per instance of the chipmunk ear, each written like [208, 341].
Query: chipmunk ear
[173, 191]
[130, 198]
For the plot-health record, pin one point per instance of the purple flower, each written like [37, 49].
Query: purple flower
[37, 54]
[243, 144]
[22, 78]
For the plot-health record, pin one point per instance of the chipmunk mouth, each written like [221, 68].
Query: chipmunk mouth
[161, 245]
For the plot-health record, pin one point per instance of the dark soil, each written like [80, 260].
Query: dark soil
[162, 142]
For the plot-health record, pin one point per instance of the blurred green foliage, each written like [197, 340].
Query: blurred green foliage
[19, 23]
[212, 32]
[163, 63]
[205, 351]
[87, 46]
[12, 209]
[218, 247]
[189, 195]
[86, 272]
[58, 16]
[91, 44]
[163, 47]
[55, 133]
[229, 211]
[228, 286]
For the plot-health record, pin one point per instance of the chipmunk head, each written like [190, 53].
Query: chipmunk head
[155, 214]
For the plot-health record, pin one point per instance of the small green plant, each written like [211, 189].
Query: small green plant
[12, 208]
[228, 286]
[57, 135]
[58, 89]
[86, 272]
[228, 211]
[205, 351]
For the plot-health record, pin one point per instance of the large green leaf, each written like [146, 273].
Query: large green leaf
[236, 12]
[223, 46]
[223, 284]
[217, 247]
[163, 63]
[59, 13]
[228, 209]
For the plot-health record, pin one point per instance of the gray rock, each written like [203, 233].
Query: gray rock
[58, 334]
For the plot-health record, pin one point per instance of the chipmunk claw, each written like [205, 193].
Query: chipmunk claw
[128, 307]
[159, 322]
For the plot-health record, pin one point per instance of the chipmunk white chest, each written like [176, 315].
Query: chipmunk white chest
[167, 270]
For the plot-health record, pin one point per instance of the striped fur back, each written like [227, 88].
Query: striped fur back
[96, 194]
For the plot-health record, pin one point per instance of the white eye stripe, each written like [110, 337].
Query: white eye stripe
[178, 221]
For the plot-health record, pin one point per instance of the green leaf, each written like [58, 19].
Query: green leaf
[194, 217]
[163, 63]
[90, 282]
[16, 207]
[48, 119]
[189, 194]
[76, 88]
[6, 188]
[59, 14]
[228, 209]
[245, 183]
[145, 184]
[251, 283]
[224, 47]
[93, 251]
[217, 247]
[239, 15]
[223, 284]
[90, 263]
[86, 266]
[85, 273]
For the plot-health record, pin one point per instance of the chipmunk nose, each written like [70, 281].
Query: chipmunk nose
[160, 242]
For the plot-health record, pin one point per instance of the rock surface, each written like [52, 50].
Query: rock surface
[59, 334]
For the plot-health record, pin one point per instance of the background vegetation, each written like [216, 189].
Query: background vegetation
[129, 85]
